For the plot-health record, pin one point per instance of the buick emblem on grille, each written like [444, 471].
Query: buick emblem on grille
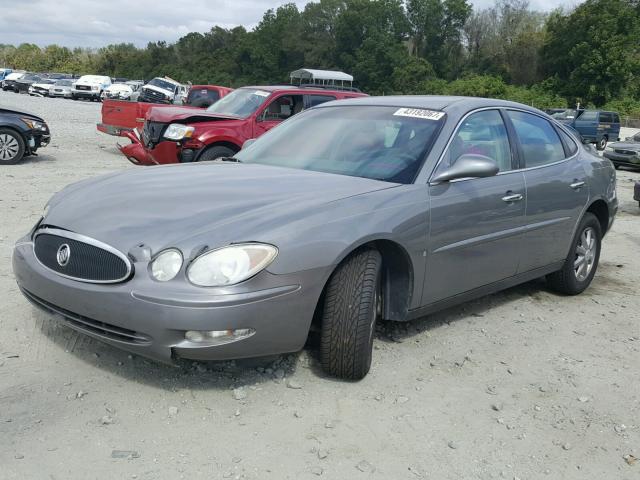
[63, 255]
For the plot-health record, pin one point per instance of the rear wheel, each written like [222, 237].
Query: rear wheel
[602, 143]
[213, 153]
[12, 146]
[582, 262]
[352, 306]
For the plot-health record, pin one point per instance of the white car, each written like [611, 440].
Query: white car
[90, 86]
[118, 91]
[41, 88]
[163, 90]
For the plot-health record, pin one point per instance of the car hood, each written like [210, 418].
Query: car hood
[626, 145]
[193, 205]
[21, 112]
[176, 114]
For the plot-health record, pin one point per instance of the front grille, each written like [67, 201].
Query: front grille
[86, 259]
[152, 96]
[90, 325]
[83, 87]
[152, 133]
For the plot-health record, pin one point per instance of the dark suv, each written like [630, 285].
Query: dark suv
[21, 134]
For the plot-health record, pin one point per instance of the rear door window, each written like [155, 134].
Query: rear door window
[313, 100]
[539, 141]
[589, 117]
[606, 117]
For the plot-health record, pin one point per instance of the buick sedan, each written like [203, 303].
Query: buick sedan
[348, 213]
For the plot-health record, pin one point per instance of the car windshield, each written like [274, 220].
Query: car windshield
[30, 78]
[64, 83]
[158, 82]
[240, 103]
[381, 143]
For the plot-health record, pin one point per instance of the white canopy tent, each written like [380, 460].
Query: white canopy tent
[309, 76]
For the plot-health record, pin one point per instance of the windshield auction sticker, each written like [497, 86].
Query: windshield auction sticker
[419, 113]
[261, 93]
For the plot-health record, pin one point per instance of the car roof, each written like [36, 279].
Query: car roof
[295, 88]
[449, 104]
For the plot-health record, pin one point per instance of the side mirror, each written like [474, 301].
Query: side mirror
[468, 166]
[248, 143]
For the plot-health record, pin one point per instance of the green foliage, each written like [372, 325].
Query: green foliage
[590, 54]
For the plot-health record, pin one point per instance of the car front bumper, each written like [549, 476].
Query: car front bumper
[150, 318]
[86, 93]
[623, 158]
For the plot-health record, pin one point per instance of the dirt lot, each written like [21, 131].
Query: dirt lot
[523, 384]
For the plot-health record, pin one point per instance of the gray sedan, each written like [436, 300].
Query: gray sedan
[626, 153]
[349, 213]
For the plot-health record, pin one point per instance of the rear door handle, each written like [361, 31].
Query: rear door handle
[577, 185]
[512, 197]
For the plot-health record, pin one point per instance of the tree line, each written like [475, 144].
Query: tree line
[590, 54]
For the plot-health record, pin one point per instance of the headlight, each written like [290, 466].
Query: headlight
[166, 265]
[94, 87]
[230, 265]
[34, 124]
[177, 131]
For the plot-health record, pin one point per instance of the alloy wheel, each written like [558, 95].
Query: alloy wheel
[586, 250]
[9, 147]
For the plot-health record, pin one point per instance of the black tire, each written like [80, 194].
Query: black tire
[74, 97]
[212, 153]
[352, 306]
[11, 146]
[567, 280]
[602, 144]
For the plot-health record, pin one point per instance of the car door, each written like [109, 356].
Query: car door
[557, 191]
[587, 125]
[605, 125]
[276, 110]
[476, 224]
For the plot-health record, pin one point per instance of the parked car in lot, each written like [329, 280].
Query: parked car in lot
[42, 87]
[118, 91]
[181, 134]
[626, 153]
[163, 90]
[119, 117]
[350, 212]
[9, 82]
[596, 126]
[23, 83]
[90, 87]
[62, 88]
[21, 134]
[203, 96]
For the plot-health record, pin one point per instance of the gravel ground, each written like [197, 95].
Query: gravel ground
[524, 384]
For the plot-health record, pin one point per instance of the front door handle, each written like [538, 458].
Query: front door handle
[512, 197]
[577, 185]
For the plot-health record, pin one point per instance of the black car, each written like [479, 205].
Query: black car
[22, 84]
[9, 83]
[21, 134]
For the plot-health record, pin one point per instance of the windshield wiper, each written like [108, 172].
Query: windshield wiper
[228, 159]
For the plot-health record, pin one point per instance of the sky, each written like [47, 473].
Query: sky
[95, 23]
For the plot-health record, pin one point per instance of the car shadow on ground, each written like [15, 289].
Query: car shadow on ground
[198, 375]
[36, 159]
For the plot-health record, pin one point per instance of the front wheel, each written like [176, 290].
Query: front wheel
[12, 147]
[352, 306]
[582, 262]
[214, 153]
[602, 143]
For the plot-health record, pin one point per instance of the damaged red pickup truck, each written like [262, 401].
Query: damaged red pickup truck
[181, 134]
